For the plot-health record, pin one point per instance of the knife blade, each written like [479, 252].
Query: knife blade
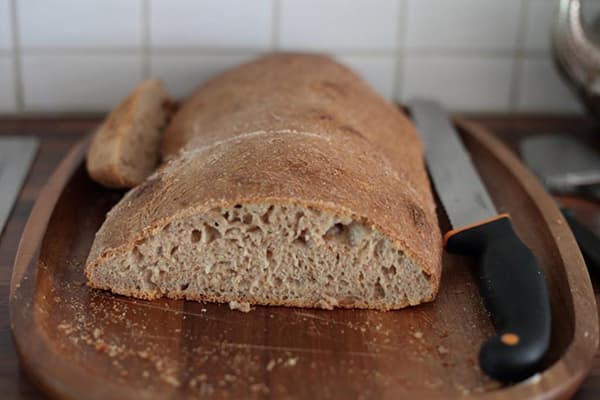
[511, 279]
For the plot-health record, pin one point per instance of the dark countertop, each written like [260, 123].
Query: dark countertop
[57, 135]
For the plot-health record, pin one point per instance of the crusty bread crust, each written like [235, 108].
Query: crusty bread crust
[125, 148]
[286, 129]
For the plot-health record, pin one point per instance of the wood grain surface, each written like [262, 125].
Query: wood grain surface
[58, 135]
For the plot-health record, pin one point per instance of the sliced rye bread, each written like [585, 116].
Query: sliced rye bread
[125, 148]
[289, 182]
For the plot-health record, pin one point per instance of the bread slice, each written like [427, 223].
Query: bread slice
[290, 182]
[125, 148]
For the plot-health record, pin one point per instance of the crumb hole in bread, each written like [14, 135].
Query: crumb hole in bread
[379, 290]
[301, 239]
[232, 232]
[253, 228]
[269, 254]
[335, 230]
[389, 271]
[247, 219]
[184, 286]
[378, 249]
[266, 216]
[212, 234]
[196, 236]
[361, 276]
[226, 215]
[237, 206]
[137, 254]
[174, 250]
[235, 216]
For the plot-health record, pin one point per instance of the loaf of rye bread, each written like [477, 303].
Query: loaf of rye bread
[285, 181]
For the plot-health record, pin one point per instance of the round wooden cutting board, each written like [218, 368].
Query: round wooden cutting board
[76, 342]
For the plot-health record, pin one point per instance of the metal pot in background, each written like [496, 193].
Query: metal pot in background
[576, 45]
[577, 52]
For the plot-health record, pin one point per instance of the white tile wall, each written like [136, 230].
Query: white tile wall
[425, 76]
[5, 25]
[211, 23]
[178, 70]
[337, 25]
[77, 82]
[377, 70]
[540, 14]
[542, 89]
[77, 23]
[462, 24]
[8, 103]
[474, 55]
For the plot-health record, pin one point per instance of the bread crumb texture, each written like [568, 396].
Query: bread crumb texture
[268, 254]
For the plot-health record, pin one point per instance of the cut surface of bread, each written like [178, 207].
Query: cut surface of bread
[125, 148]
[288, 182]
[277, 254]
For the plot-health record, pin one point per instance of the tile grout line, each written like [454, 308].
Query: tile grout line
[514, 90]
[16, 53]
[145, 63]
[275, 24]
[401, 20]
[419, 53]
[75, 51]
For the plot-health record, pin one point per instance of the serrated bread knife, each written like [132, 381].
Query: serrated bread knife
[511, 280]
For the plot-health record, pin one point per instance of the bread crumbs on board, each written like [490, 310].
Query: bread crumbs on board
[291, 362]
[259, 388]
[171, 380]
[94, 324]
[240, 306]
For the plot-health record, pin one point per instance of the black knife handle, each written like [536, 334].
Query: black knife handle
[514, 289]
[588, 242]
